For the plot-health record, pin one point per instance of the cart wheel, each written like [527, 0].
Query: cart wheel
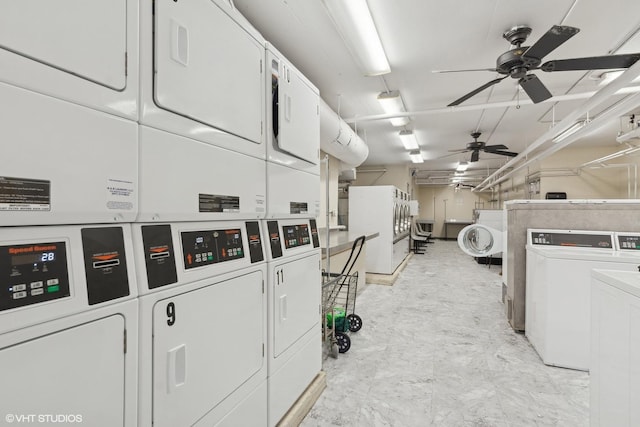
[335, 350]
[344, 342]
[355, 322]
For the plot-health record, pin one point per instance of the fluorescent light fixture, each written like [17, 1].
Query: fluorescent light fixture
[353, 20]
[416, 157]
[462, 166]
[570, 131]
[409, 140]
[391, 103]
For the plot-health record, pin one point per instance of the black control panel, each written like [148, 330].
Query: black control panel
[159, 256]
[255, 241]
[33, 273]
[207, 247]
[314, 233]
[105, 264]
[602, 241]
[295, 235]
[274, 239]
[629, 242]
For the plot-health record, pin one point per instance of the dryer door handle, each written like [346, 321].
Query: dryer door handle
[283, 307]
[176, 367]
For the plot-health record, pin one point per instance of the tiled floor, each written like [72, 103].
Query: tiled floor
[435, 349]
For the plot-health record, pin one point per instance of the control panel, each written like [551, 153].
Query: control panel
[207, 247]
[575, 240]
[629, 241]
[296, 235]
[33, 273]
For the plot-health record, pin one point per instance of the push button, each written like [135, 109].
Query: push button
[17, 288]
[35, 285]
[38, 291]
[18, 295]
[52, 282]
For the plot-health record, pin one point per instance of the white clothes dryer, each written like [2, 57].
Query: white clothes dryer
[83, 52]
[203, 324]
[68, 325]
[293, 140]
[480, 240]
[294, 288]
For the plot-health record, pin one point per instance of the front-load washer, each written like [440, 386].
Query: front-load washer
[203, 324]
[68, 325]
[84, 52]
[558, 290]
[63, 163]
[294, 287]
[293, 140]
[480, 240]
[202, 72]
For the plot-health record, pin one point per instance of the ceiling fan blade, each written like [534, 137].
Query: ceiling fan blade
[476, 91]
[462, 150]
[463, 71]
[475, 156]
[552, 39]
[536, 90]
[592, 63]
[502, 153]
[495, 147]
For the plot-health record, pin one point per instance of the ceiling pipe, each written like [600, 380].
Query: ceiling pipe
[598, 98]
[620, 108]
[339, 140]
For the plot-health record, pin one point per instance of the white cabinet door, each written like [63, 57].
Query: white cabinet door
[208, 68]
[207, 343]
[77, 371]
[296, 300]
[86, 38]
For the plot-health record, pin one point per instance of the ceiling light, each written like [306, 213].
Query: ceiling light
[409, 140]
[462, 166]
[391, 103]
[416, 157]
[353, 20]
[570, 131]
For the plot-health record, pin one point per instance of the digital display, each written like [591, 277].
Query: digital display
[33, 258]
[295, 235]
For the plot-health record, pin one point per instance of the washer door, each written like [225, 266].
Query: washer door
[479, 240]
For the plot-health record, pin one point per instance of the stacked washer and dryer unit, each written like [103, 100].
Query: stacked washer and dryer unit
[174, 168]
[68, 191]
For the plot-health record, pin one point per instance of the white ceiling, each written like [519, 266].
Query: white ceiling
[420, 36]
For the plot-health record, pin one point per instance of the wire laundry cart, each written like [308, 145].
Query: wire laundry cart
[339, 292]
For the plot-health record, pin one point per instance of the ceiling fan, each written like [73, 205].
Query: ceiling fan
[519, 61]
[476, 146]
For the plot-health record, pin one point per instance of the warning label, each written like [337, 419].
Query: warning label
[298, 208]
[120, 194]
[23, 194]
[218, 203]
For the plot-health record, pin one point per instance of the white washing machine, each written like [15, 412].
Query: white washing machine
[202, 72]
[63, 163]
[380, 208]
[202, 324]
[614, 373]
[83, 52]
[294, 291]
[293, 140]
[68, 325]
[558, 292]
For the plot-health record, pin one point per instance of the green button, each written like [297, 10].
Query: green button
[54, 288]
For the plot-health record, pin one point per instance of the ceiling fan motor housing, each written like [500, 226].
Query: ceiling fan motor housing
[515, 64]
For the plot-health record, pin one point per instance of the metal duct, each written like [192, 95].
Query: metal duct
[339, 140]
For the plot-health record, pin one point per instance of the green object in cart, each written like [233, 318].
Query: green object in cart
[342, 323]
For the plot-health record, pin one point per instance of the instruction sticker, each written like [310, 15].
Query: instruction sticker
[23, 194]
[120, 194]
[218, 203]
[298, 208]
[260, 201]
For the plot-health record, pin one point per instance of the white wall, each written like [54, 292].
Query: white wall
[334, 171]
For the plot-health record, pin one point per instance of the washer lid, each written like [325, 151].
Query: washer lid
[479, 240]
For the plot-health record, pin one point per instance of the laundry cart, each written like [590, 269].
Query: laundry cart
[339, 291]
